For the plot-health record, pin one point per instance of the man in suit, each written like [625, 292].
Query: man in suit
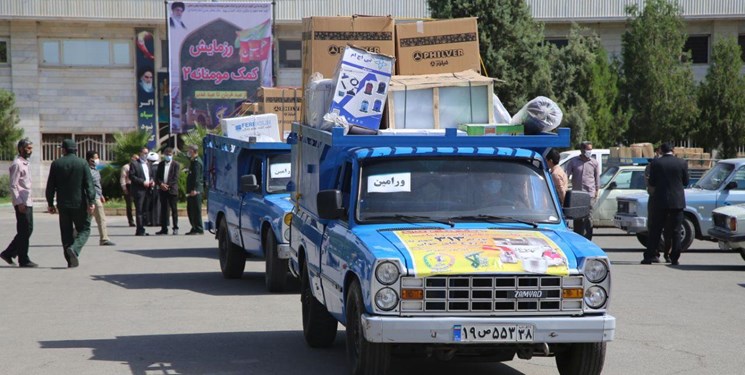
[668, 177]
[166, 179]
[70, 178]
[141, 176]
[194, 188]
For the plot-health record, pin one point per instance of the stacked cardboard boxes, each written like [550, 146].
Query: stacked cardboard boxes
[441, 46]
[285, 102]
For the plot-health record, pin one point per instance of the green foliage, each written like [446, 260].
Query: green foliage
[193, 137]
[4, 186]
[722, 101]
[511, 46]
[9, 118]
[126, 145]
[608, 122]
[659, 89]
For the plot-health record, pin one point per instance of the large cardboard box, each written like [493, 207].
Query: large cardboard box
[262, 127]
[362, 80]
[441, 46]
[285, 102]
[324, 40]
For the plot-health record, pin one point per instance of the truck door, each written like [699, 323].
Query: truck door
[252, 209]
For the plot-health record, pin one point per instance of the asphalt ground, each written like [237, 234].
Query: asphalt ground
[158, 305]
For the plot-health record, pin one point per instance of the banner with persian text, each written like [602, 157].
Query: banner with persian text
[145, 61]
[220, 54]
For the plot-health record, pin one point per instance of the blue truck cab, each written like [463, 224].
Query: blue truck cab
[444, 246]
[248, 206]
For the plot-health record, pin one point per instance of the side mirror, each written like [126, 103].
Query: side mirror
[249, 184]
[329, 203]
[731, 185]
[576, 204]
[612, 185]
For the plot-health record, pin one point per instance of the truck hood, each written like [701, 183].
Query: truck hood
[281, 200]
[488, 250]
[691, 194]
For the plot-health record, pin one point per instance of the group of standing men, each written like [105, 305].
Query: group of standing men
[76, 185]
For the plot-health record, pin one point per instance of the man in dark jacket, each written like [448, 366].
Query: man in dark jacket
[194, 188]
[166, 178]
[70, 178]
[668, 177]
[141, 176]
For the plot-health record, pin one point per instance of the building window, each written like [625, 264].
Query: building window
[3, 51]
[102, 144]
[558, 42]
[741, 42]
[86, 52]
[289, 54]
[698, 47]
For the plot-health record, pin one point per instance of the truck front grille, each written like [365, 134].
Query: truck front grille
[623, 207]
[493, 295]
[720, 220]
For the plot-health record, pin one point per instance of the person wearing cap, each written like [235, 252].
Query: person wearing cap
[103, 232]
[194, 188]
[20, 190]
[70, 180]
[141, 176]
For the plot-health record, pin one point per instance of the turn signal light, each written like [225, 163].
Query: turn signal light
[288, 219]
[572, 293]
[412, 294]
[733, 224]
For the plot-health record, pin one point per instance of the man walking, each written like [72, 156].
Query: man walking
[584, 174]
[20, 190]
[194, 182]
[668, 177]
[166, 178]
[70, 178]
[126, 184]
[141, 176]
[98, 212]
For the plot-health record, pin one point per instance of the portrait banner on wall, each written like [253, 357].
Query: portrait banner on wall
[220, 54]
[145, 63]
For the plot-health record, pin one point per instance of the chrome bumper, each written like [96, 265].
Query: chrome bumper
[726, 236]
[283, 251]
[426, 330]
[631, 224]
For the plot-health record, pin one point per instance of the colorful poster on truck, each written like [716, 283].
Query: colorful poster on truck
[450, 252]
[219, 56]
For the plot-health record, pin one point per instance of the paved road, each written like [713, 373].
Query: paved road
[158, 305]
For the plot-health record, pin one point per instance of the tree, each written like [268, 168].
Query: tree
[659, 91]
[511, 46]
[722, 101]
[9, 118]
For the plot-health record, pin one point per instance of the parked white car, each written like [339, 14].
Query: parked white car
[614, 182]
[601, 155]
[729, 228]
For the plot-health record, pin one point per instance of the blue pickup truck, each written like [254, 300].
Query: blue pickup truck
[445, 246]
[248, 205]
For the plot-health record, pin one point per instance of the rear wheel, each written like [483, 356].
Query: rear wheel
[276, 268]
[581, 359]
[366, 358]
[687, 235]
[232, 257]
[319, 327]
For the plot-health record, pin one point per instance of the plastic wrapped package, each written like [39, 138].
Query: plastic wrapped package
[318, 95]
[501, 115]
[539, 115]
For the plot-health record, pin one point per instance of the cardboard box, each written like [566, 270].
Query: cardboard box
[362, 80]
[440, 46]
[492, 129]
[285, 102]
[264, 127]
[325, 38]
[439, 101]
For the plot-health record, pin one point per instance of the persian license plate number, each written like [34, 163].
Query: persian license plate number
[493, 333]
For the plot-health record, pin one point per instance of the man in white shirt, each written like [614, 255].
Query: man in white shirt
[20, 189]
[166, 179]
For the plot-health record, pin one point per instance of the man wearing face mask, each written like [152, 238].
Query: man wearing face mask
[98, 212]
[194, 182]
[20, 190]
[584, 174]
[141, 176]
[166, 179]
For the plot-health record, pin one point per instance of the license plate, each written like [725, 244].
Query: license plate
[493, 333]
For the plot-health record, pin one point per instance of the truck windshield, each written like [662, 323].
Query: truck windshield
[279, 173]
[441, 188]
[606, 176]
[714, 178]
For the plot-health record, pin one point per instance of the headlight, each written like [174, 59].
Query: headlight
[732, 224]
[595, 297]
[387, 273]
[386, 299]
[595, 270]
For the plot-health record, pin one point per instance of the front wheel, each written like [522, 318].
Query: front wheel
[365, 358]
[319, 327]
[276, 269]
[581, 359]
[232, 257]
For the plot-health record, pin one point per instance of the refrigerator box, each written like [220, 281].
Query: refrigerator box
[361, 87]
[265, 128]
[285, 102]
[439, 101]
[438, 46]
[492, 129]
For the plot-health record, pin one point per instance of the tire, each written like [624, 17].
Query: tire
[687, 237]
[276, 269]
[232, 257]
[581, 359]
[365, 358]
[319, 327]
[742, 253]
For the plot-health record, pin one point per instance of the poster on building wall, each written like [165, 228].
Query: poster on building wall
[145, 63]
[220, 54]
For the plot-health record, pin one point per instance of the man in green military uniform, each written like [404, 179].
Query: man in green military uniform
[194, 189]
[70, 178]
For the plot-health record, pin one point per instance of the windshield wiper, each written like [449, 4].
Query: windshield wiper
[494, 218]
[412, 219]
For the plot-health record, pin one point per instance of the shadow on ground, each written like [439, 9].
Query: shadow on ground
[202, 252]
[210, 283]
